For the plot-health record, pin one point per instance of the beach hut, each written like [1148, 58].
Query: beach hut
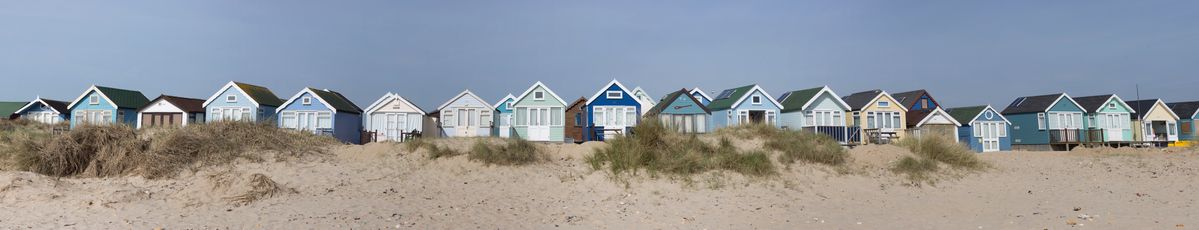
[1187, 112]
[170, 111]
[538, 114]
[576, 119]
[322, 112]
[238, 101]
[1045, 122]
[936, 121]
[503, 118]
[983, 128]
[1108, 119]
[880, 117]
[44, 111]
[466, 115]
[644, 97]
[916, 100]
[99, 105]
[744, 105]
[8, 109]
[393, 118]
[701, 96]
[683, 112]
[1154, 121]
[612, 111]
[817, 110]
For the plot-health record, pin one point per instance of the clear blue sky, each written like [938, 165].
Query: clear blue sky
[964, 52]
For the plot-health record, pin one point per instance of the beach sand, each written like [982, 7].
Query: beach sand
[385, 186]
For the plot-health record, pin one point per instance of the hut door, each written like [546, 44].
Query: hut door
[990, 136]
[468, 122]
[539, 124]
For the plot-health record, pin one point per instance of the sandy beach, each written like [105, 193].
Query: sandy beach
[378, 186]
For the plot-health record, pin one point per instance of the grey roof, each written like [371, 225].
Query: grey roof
[1185, 110]
[1032, 104]
[859, 100]
[665, 102]
[1093, 103]
[1140, 106]
[909, 98]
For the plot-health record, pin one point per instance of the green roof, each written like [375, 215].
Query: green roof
[335, 99]
[124, 98]
[729, 96]
[260, 94]
[7, 108]
[965, 114]
[794, 100]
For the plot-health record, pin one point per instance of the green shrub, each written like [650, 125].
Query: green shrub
[807, 146]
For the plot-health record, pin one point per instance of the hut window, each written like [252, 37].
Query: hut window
[1111, 105]
[1041, 121]
[324, 120]
[306, 100]
[94, 100]
[1002, 129]
[809, 118]
[757, 100]
[977, 129]
[447, 118]
[1172, 128]
[231, 98]
[884, 104]
[539, 96]
[485, 118]
[556, 116]
[615, 94]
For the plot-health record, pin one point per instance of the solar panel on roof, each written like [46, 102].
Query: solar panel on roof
[1017, 102]
[726, 94]
[785, 95]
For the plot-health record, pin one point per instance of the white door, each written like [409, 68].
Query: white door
[393, 128]
[1115, 131]
[990, 136]
[539, 124]
[505, 124]
[1171, 131]
[468, 122]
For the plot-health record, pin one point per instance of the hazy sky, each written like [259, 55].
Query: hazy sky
[964, 52]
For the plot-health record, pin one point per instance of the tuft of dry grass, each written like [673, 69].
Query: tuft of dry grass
[261, 187]
[658, 149]
[944, 150]
[433, 149]
[917, 169]
[794, 145]
[117, 149]
[513, 152]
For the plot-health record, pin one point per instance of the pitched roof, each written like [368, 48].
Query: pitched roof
[190, 105]
[665, 102]
[260, 94]
[701, 93]
[1092, 103]
[909, 98]
[622, 88]
[57, 106]
[502, 100]
[338, 101]
[967, 114]
[464, 93]
[1185, 109]
[795, 100]
[1033, 104]
[543, 86]
[125, 98]
[1140, 107]
[925, 114]
[576, 102]
[383, 100]
[729, 96]
[7, 108]
[859, 100]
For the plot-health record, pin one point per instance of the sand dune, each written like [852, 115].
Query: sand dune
[385, 186]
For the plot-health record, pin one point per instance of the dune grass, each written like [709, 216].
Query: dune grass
[512, 152]
[931, 150]
[657, 149]
[116, 150]
[793, 145]
[433, 150]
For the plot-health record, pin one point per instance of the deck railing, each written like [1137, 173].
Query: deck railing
[843, 135]
[1065, 136]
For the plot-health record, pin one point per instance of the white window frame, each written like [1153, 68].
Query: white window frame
[1042, 122]
[93, 100]
[756, 100]
[539, 96]
[306, 100]
[884, 104]
[231, 98]
[614, 94]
